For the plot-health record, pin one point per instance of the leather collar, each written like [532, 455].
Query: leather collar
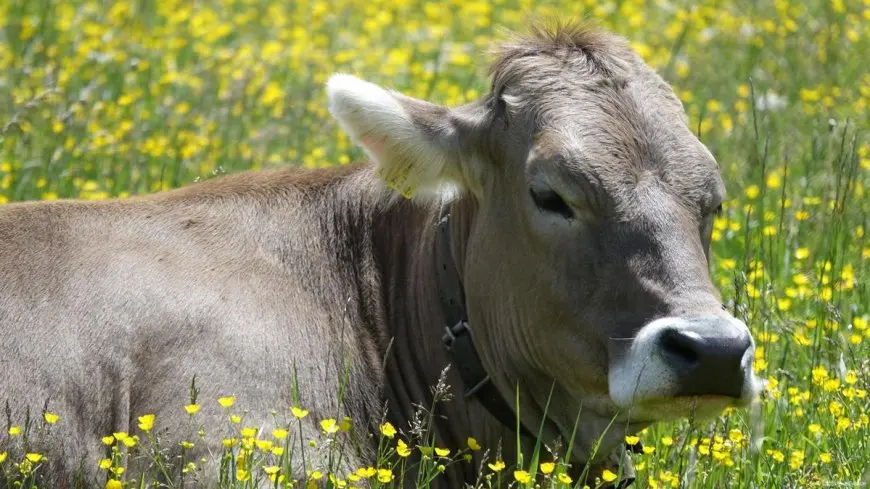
[457, 333]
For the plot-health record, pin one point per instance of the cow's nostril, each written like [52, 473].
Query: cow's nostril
[682, 348]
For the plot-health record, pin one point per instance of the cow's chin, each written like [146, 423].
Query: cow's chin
[672, 408]
[652, 408]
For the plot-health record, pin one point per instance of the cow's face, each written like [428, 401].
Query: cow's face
[586, 269]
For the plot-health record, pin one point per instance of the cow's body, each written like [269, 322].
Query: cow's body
[581, 208]
[235, 280]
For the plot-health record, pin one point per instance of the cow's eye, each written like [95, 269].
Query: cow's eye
[718, 211]
[550, 201]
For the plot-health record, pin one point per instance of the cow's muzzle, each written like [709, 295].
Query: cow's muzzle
[709, 356]
[673, 358]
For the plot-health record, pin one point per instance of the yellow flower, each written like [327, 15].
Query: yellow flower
[146, 422]
[242, 475]
[773, 180]
[192, 408]
[186, 445]
[235, 418]
[345, 424]
[735, 435]
[565, 478]
[776, 455]
[472, 444]
[820, 373]
[713, 105]
[105, 463]
[113, 484]
[264, 445]
[33, 457]
[547, 468]
[108, 440]
[385, 475]
[367, 472]
[249, 432]
[299, 412]
[825, 457]
[842, 424]
[14, 430]
[329, 425]
[667, 441]
[497, 466]
[277, 451]
[752, 191]
[831, 385]
[796, 459]
[522, 476]
[279, 434]
[226, 402]
[3, 456]
[230, 442]
[402, 449]
[632, 440]
[271, 470]
[388, 430]
[608, 476]
[272, 94]
[810, 95]
[336, 482]
[50, 418]
[130, 441]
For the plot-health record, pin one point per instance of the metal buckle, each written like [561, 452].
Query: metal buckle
[473, 390]
[450, 333]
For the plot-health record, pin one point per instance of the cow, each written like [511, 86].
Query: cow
[550, 241]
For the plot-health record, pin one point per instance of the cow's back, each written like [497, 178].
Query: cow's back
[108, 309]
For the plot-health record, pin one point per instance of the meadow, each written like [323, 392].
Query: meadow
[101, 100]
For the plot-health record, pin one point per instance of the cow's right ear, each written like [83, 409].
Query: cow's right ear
[415, 145]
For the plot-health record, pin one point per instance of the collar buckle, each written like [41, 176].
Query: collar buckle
[452, 332]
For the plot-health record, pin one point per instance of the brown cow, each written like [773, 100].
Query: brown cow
[565, 217]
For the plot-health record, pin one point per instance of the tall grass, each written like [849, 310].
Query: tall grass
[110, 99]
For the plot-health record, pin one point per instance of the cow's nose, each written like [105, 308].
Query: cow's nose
[708, 356]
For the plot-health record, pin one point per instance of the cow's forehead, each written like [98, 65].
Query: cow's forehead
[615, 135]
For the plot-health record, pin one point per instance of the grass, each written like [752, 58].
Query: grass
[101, 100]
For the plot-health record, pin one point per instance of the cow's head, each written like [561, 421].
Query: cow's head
[586, 264]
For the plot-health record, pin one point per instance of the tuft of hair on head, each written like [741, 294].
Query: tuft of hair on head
[560, 46]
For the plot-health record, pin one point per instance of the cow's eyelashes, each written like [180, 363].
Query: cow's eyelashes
[549, 201]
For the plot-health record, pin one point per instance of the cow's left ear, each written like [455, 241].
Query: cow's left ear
[415, 145]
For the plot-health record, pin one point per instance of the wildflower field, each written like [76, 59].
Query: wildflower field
[110, 99]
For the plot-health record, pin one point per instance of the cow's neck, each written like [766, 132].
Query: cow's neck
[415, 324]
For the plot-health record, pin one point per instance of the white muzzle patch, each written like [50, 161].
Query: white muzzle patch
[675, 366]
